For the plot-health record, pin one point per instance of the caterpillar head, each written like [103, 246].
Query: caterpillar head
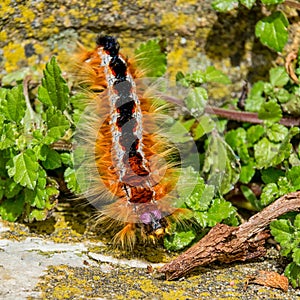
[154, 225]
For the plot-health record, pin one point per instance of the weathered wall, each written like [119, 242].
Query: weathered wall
[32, 31]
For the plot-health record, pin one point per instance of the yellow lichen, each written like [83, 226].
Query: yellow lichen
[116, 6]
[27, 14]
[6, 9]
[186, 2]
[177, 57]
[171, 295]
[175, 21]
[65, 291]
[39, 49]
[12, 54]
[135, 295]
[147, 286]
[49, 20]
[3, 36]
[40, 6]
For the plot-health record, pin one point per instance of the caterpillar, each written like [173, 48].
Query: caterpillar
[125, 165]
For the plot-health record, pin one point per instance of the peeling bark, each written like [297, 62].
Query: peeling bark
[226, 244]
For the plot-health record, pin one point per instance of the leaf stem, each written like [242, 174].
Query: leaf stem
[26, 96]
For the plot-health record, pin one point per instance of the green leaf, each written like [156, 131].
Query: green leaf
[8, 135]
[279, 76]
[293, 175]
[254, 133]
[4, 157]
[11, 209]
[285, 148]
[214, 75]
[255, 98]
[294, 159]
[196, 78]
[297, 222]
[15, 104]
[206, 125]
[292, 271]
[38, 215]
[70, 179]
[269, 194]
[192, 190]
[152, 58]
[179, 240]
[221, 165]
[201, 197]
[12, 189]
[179, 132]
[270, 2]
[219, 211]
[40, 196]
[296, 256]
[237, 140]
[24, 169]
[247, 172]
[247, 3]
[189, 181]
[224, 5]
[271, 175]
[201, 218]
[292, 107]
[53, 160]
[283, 95]
[264, 152]
[284, 186]
[283, 232]
[277, 132]
[67, 159]
[57, 125]
[270, 111]
[54, 90]
[196, 101]
[272, 31]
[250, 196]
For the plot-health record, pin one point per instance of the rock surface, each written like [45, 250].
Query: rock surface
[196, 35]
[64, 264]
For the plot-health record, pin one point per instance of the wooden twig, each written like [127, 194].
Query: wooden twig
[292, 4]
[234, 115]
[243, 116]
[292, 56]
[227, 244]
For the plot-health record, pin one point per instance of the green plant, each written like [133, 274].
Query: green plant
[287, 232]
[26, 154]
[272, 30]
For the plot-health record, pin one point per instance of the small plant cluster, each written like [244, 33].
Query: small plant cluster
[231, 156]
[28, 132]
[268, 164]
[271, 30]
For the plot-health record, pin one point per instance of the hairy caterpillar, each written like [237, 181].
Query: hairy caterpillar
[124, 162]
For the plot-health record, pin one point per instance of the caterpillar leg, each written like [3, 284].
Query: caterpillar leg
[126, 237]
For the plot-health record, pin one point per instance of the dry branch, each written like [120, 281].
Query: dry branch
[234, 115]
[227, 244]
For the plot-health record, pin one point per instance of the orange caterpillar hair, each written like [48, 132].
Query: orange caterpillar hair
[123, 158]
